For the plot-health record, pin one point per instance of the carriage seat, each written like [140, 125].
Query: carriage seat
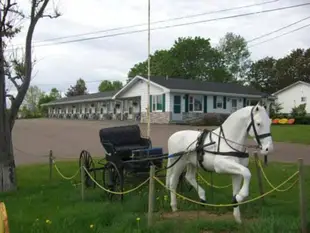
[123, 138]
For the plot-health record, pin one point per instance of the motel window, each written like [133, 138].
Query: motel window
[195, 103]
[157, 103]
[251, 102]
[303, 99]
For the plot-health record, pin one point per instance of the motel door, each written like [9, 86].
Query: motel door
[176, 111]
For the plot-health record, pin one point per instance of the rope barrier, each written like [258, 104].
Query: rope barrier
[270, 184]
[225, 205]
[113, 192]
[62, 175]
[212, 185]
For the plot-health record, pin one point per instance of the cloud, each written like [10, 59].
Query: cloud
[60, 65]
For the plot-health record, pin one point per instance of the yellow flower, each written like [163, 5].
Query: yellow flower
[138, 219]
[91, 226]
[48, 221]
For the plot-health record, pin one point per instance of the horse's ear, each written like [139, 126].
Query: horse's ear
[257, 106]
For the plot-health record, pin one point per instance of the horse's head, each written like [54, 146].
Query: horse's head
[259, 128]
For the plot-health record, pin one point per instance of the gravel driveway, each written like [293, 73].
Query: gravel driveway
[34, 138]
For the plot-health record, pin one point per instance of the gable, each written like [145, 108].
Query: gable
[297, 89]
[299, 85]
[138, 87]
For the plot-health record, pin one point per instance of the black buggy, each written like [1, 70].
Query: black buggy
[127, 154]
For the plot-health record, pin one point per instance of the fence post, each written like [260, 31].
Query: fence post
[302, 199]
[259, 176]
[50, 159]
[151, 196]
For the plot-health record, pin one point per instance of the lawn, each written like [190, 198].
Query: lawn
[43, 206]
[291, 133]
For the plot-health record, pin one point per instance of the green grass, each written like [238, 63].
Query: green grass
[291, 133]
[59, 201]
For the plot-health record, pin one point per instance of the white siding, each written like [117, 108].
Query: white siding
[140, 89]
[292, 97]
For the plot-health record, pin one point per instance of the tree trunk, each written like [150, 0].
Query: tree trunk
[7, 164]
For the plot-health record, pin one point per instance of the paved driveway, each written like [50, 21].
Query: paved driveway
[35, 137]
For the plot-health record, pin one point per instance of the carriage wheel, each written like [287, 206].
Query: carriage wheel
[112, 180]
[90, 166]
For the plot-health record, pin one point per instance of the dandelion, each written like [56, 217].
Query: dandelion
[91, 226]
[48, 221]
[138, 221]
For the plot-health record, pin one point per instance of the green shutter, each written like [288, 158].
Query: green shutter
[224, 102]
[214, 102]
[164, 102]
[150, 103]
[244, 102]
[186, 103]
[205, 103]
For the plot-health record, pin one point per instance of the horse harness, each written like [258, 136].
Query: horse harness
[200, 147]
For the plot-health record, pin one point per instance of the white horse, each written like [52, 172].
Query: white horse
[222, 150]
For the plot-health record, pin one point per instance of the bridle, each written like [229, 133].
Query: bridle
[257, 136]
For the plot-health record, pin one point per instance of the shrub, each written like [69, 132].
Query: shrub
[299, 111]
[302, 120]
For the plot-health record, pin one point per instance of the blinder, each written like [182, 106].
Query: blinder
[257, 136]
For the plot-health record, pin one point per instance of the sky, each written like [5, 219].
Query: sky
[110, 58]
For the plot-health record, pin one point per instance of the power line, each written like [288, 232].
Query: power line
[174, 25]
[277, 30]
[159, 21]
[283, 34]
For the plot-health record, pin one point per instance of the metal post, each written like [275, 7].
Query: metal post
[82, 179]
[148, 70]
[151, 196]
[259, 176]
[50, 160]
[302, 198]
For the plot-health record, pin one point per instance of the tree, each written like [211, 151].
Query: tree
[32, 98]
[19, 72]
[107, 85]
[263, 75]
[236, 54]
[46, 98]
[78, 89]
[55, 94]
[191, 58]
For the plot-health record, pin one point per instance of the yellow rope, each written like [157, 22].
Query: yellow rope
[63, 176]
[214, 186]
[119, 193]
[271, 185]
[225, 205]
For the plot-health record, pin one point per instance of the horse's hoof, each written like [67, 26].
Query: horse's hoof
[203, 201]
[234, 201]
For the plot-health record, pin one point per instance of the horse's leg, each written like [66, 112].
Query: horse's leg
[174, 180]
[236, 183]
[228, 166]
[191, 178]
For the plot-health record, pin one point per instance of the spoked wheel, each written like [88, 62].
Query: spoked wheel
[112, 180]
[90, 167]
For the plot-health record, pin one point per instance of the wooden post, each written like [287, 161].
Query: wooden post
[259, 176]
[50, 159]
[151, 196]
[82, 179]
[302, 199]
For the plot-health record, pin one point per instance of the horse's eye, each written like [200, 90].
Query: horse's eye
[258, 124]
